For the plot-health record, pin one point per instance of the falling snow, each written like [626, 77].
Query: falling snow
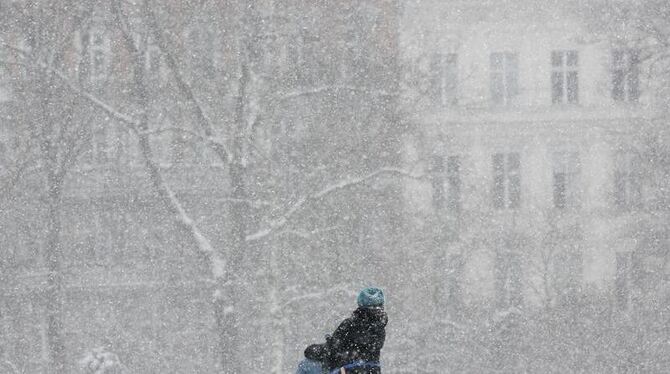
[203, 186]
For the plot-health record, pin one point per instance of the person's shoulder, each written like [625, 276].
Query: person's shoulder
[371, 315]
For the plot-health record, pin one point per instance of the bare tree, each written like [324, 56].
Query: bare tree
[55, 126]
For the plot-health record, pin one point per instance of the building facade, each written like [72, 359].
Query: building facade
[533, 132]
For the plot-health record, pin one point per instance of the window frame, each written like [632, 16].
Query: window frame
[566, 163]
[565, 77]
[446, 182]
[627, 180]
[444, 79]
[508, 278]
[622, 280]
[625, 70]
[504, 67]
[506, 192]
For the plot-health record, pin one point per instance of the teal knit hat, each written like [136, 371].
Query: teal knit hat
[370, 297]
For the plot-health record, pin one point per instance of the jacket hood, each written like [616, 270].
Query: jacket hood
[373, 315]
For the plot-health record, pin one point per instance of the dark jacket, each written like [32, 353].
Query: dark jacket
[358, 338]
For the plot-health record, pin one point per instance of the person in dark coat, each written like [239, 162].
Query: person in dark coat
[355, 346]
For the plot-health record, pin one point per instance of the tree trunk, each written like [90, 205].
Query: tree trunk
[228, 317]
[226, 305]
[278, 322]
[54, 291]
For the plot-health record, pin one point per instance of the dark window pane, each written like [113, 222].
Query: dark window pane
[453, 165]
[622, 286]
[559, 190]
[438, 192]
[512, 75]
[507, 273]
[454, 179]
[451, 78]
[514, 191]
[437, 181]
[634, 57]
[619, 189]
[513, 162]
[556, 59]
[633, 84]
[635, 193]
[634, 180]
[443, 78]
[500, 274]
[618, 85]
[498, 181]
[514, 279]
[455, 271]
[573, 87]
[514, 179]
[435, 84]
[497, 87]
[572, 58]
[557, 87]
[617, 59]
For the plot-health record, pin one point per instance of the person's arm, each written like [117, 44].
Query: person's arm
[317, 352]
[340, 335]
[339, 343]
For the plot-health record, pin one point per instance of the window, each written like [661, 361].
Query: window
[622, 280]
[444, 79]
[508, 279]
[98, 54]
[564, 77]
[446, 188]
[566, 167]
[627, 180]
[506, 180]
[437, 181]
[454, 278]
[454, 183]
[504, 77]
[152, 60]
[567, 268]
[625, 75]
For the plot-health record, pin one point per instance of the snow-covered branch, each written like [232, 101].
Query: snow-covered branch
[107, 108]
[216, 262]
[282, 221]
[15, 176]
[249, 202]
[328, 88]
[202, 119]
[315, 295]
[175, 130]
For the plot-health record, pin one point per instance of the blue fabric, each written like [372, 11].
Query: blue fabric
[370, 297]
[354, 365]
[308, 366]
